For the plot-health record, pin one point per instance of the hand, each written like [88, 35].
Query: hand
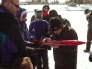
[46, 39]
[49, 44]
[54, 46]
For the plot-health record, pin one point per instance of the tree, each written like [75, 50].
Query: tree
[46, 1]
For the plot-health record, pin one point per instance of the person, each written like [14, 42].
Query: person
[89, 31]
[40, 27]
[33, 17]
[65, 57]
[86, 11]
[23, 63]
[10, 28]
[53, 13]
[21, 15]
[45, 10]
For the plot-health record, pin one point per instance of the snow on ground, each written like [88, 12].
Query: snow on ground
[78, 21]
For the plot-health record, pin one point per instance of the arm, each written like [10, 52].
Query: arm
[51, 45]
[47, 35]
[30, 28]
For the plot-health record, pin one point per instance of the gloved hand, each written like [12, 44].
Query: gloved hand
[36, 45]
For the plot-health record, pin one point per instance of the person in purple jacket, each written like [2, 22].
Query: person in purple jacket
[21, 16]
[40, 27]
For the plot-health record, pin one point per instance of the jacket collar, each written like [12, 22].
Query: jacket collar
[5, 10]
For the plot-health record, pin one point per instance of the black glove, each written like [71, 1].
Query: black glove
[36, 45]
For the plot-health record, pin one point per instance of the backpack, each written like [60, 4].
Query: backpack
[6, 48]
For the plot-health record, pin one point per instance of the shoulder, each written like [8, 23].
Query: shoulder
[66, 21]
[44, 21]
[73, 33]
[69, 30]
[33, 22]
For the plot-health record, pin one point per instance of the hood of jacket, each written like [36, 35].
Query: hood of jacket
[20, 13]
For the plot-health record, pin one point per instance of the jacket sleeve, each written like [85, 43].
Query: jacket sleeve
[47, 35]
[30, 28]
[15, 36]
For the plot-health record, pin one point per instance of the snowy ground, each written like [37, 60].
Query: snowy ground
[78, 21]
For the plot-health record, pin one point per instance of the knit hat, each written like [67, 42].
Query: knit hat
[53, 13]
[55, 23]
[86, 11]
[38, 14]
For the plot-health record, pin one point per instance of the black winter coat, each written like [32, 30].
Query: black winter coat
[65, 57]
[9, 27]
[67, 34]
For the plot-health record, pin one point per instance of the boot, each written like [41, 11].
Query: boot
[90, 57]
[88, 44]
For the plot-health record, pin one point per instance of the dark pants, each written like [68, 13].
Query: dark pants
[33, 56]
[67, 60]
[43, 59]
[89, 35]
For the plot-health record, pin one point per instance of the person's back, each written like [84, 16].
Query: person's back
[39, 25]
[41, 28]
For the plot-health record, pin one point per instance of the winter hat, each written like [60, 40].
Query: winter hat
[55, 23]
[53, 13]
[20, 13]
[86, 11]
[38, 14]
